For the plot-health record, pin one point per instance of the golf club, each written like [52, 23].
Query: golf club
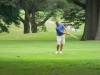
[74, 36]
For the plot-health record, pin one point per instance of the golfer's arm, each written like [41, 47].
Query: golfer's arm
[66, 32]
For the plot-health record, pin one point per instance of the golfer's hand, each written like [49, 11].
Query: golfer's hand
[67, 33]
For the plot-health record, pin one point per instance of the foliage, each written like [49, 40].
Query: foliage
[8, 15]
[3, 28]
[42, 28]
[73, 0]
[74, 16]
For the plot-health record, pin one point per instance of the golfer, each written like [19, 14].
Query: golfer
[60, 31]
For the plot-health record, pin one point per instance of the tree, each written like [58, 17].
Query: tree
[92, 22]
[31, 8]
[8, 15]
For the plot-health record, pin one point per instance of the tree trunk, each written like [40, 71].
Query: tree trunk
[33, 24]
[26, 25]
[26, 19]
[98, 30]
[34, 28]
[91, 23]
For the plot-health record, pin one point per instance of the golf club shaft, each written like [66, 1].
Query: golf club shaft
[73, 36]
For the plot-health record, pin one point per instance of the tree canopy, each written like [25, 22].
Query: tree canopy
[74, 16]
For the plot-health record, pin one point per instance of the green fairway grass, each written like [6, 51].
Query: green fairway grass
[34, 54]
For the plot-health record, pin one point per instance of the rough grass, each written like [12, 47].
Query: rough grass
[50, 67]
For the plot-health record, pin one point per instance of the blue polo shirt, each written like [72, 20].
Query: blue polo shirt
[60, 29]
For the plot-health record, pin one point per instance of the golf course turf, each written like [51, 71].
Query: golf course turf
[34, 54]
[37, 57]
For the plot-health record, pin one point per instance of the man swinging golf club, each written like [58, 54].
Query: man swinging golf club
[60, 31]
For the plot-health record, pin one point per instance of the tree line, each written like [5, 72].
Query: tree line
[37, 12]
